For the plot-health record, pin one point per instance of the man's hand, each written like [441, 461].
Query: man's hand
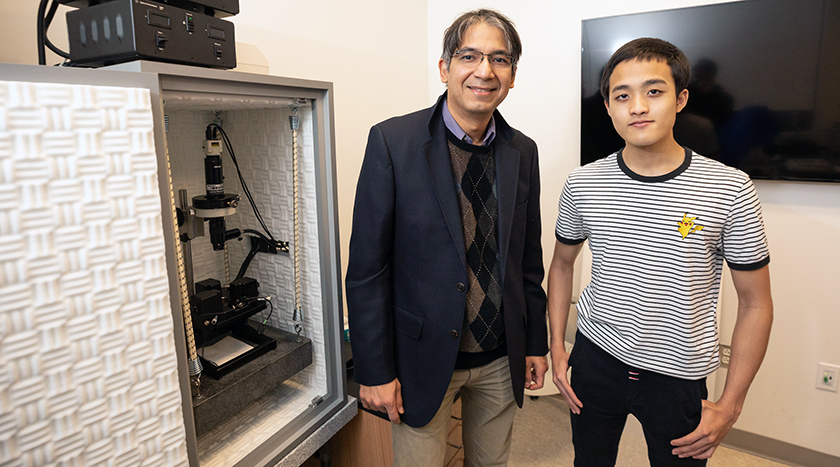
[384, 398]
[535, 369]
[715, 423]
[560, 367]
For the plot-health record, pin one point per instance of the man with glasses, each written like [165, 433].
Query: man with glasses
[444, 278]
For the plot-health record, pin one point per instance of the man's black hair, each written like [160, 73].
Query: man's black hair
[649, 48]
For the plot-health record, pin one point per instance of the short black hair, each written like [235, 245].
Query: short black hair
[649, 48]
[454, 35]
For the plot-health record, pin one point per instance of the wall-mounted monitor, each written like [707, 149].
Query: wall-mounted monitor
[765, 90]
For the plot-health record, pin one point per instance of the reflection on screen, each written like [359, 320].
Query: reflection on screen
[764, 94]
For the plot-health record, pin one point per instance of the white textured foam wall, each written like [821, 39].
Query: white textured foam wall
[87, 361]
[265, 158]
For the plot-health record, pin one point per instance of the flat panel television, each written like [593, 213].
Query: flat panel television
[765, 89]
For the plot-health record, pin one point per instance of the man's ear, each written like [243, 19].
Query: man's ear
[682, 100]
[443, 66]
[607, 105]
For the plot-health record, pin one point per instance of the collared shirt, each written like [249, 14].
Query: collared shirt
[456, 130]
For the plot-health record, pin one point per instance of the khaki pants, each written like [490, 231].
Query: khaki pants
[487, 411]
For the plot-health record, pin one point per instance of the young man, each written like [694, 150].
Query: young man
[444, 277]
[660, 220]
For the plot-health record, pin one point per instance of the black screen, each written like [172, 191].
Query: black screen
[765, 89]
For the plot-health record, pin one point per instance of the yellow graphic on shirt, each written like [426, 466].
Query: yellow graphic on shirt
[687, 226]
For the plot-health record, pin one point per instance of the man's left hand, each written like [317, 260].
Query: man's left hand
[535, 368]
[715, 423]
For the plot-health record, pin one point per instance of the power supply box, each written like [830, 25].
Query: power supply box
[120, 31]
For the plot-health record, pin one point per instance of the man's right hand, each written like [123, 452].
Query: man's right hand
[384, 398]
[559, 369]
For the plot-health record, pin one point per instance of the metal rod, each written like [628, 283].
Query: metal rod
[193, 363]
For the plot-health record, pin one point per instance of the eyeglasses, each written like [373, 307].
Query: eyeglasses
[472, 58]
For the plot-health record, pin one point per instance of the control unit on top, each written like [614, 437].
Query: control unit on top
[189, 32]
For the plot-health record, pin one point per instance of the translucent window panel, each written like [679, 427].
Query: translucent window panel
[262, 142]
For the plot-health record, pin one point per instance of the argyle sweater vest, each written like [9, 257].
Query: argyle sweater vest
[474, 172]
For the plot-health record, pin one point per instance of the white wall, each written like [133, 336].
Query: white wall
[803, 219]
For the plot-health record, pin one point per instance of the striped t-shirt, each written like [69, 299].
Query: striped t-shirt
[658, 245]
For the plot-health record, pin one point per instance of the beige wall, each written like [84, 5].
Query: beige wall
[803, 219]
[373, 51]
[19, 35]
[381, 56]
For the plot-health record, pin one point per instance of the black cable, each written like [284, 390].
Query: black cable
[50, 14]
[242, 269]
[245, 189]
[258, 234]
[45, 18]
[42, 52]
[244, 185]
[47, 22]
[236, 164]
[242, 180]
[270, 310]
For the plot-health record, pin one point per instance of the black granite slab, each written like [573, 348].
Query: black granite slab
[221, 399]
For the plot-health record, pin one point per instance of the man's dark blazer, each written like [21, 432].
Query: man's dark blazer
[407, 271]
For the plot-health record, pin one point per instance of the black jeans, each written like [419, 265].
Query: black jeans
[668, 408]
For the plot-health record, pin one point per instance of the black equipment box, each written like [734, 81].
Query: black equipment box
[124, 30]
[217, 8]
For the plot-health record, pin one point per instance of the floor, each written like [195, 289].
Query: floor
[551, 444]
